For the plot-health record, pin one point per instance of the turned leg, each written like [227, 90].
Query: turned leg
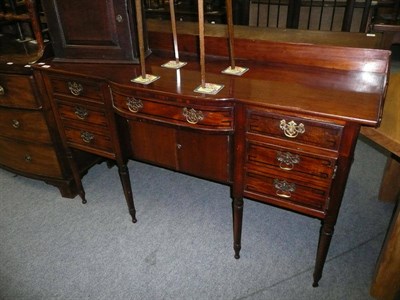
[325, 237]
[126, 185]
[237, 205]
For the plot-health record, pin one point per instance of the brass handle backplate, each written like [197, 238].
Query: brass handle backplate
[134, 105]
[28, 158]
[87, 137]
[287, 160]
[81, 112]
[15, 124]
[283, 188]
[2, 91]
[192, 116]
[75, 88]
[291, 129]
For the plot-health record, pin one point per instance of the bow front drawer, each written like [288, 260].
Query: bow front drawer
[25, 125]
[36, 159]
[184, 114]
[17, 91]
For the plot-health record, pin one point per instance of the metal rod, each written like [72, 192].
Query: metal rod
[139, 21]
[173, 25]
[201, 37]
[230, 33]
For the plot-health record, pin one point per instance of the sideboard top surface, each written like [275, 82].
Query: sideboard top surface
[347, 95]
[338, 81]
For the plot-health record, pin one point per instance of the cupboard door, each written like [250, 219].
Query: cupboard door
[204, 155]
[92, 30]
[153, 143]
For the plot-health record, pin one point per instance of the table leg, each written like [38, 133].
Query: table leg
[325, 237]
[237, 206]
[126, 185]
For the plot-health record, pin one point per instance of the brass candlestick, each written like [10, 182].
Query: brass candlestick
[174, 64]
[205, 88]
[143, 78]
[232, 69]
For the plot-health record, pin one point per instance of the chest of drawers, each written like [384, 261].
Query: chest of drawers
[28, 144]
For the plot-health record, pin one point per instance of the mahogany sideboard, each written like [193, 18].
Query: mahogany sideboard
[283, 133]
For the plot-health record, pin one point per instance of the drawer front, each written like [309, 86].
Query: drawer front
[285, 191]
[82, 112]
[24, 125]
[17, 91]
[309, 132]
[77, 87]
[205, 117]
[88, 139]
[260, 156]
[35, 159]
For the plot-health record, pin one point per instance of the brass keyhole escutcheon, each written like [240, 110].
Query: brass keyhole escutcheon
[28, 158]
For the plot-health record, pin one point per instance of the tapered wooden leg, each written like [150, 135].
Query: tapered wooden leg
[126, 185]
[325, 237]
[76, 176]
[237, 206]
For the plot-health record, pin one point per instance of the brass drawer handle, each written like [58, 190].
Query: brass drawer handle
[134, 105]
[81, 112]
[192, 116]
[287, 160]
[2, 91]
[75, 88]
[15, 124]
[291, 129]
[87, 137]
[283, 188]
[28, 158]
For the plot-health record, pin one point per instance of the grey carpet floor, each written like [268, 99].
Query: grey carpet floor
[181, 247]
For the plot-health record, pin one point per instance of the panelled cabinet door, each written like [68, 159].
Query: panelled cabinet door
[204, 155]
[98, 30]
[153, 143]
[194, 152]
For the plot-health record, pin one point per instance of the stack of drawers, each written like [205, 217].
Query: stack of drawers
[290, 161]
[79, 104]
[29, 143]
[25, 141]
[86, 122]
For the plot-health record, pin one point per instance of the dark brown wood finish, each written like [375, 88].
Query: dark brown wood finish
[320, 95]
[30, 145]
[86, 122]
[93, 31]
